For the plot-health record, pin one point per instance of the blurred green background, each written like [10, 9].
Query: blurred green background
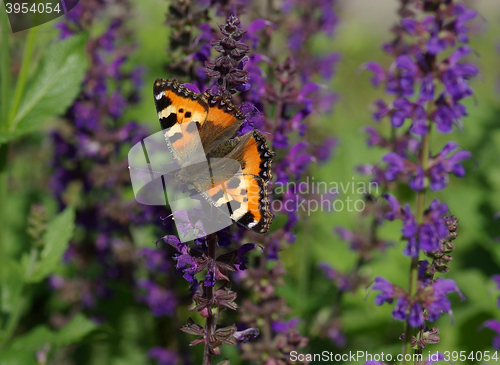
[474, 199]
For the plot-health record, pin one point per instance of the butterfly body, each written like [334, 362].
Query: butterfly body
[200, 128]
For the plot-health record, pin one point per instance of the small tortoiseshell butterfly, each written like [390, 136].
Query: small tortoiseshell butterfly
[183, 112]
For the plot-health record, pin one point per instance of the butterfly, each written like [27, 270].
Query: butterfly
[185, 115]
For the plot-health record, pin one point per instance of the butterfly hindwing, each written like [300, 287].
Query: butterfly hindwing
[245, 193]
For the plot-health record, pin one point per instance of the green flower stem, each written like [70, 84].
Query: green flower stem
[4, 70]
[4, 102]
[424, 159]
[15, 316]
[7, 115]
[23, 75]
[4, 149]
[211, 320]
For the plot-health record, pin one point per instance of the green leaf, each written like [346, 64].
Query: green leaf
[56, 239]
[11, 284]
[73, 332]
[34, 339]
[53, 88]
[17, 357]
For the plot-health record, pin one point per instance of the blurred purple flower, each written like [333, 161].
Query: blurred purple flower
[161, 301]
[282, 326]
[387, 291]
[163, 356]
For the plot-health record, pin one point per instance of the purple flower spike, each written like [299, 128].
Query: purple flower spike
[227, 70]
[424, 90]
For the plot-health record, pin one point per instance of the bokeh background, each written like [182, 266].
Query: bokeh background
[126, 329]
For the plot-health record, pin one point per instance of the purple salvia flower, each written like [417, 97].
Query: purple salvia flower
[410, 226]
[226, 70]
[416, 316]
[395, 207]
[162, 302]
[427, 88]
[442, 166]
[438, 302]
[163, 356]
[282, 326]
[493, 325]
[387, 291]
[396, 165]
[400, 309]
[418, 180]
[92, 156]
[378, 72]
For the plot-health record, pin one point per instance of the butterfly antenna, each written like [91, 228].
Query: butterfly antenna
[168, 216]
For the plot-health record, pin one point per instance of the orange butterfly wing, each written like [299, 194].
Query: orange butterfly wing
[183, 113]
[246, 193]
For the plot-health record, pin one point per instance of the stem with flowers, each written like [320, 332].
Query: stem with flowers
[413, 282]
[287, 97]
[211, 320]
[266, 87]
[427, 28]
[4, 112]
[227, 77]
